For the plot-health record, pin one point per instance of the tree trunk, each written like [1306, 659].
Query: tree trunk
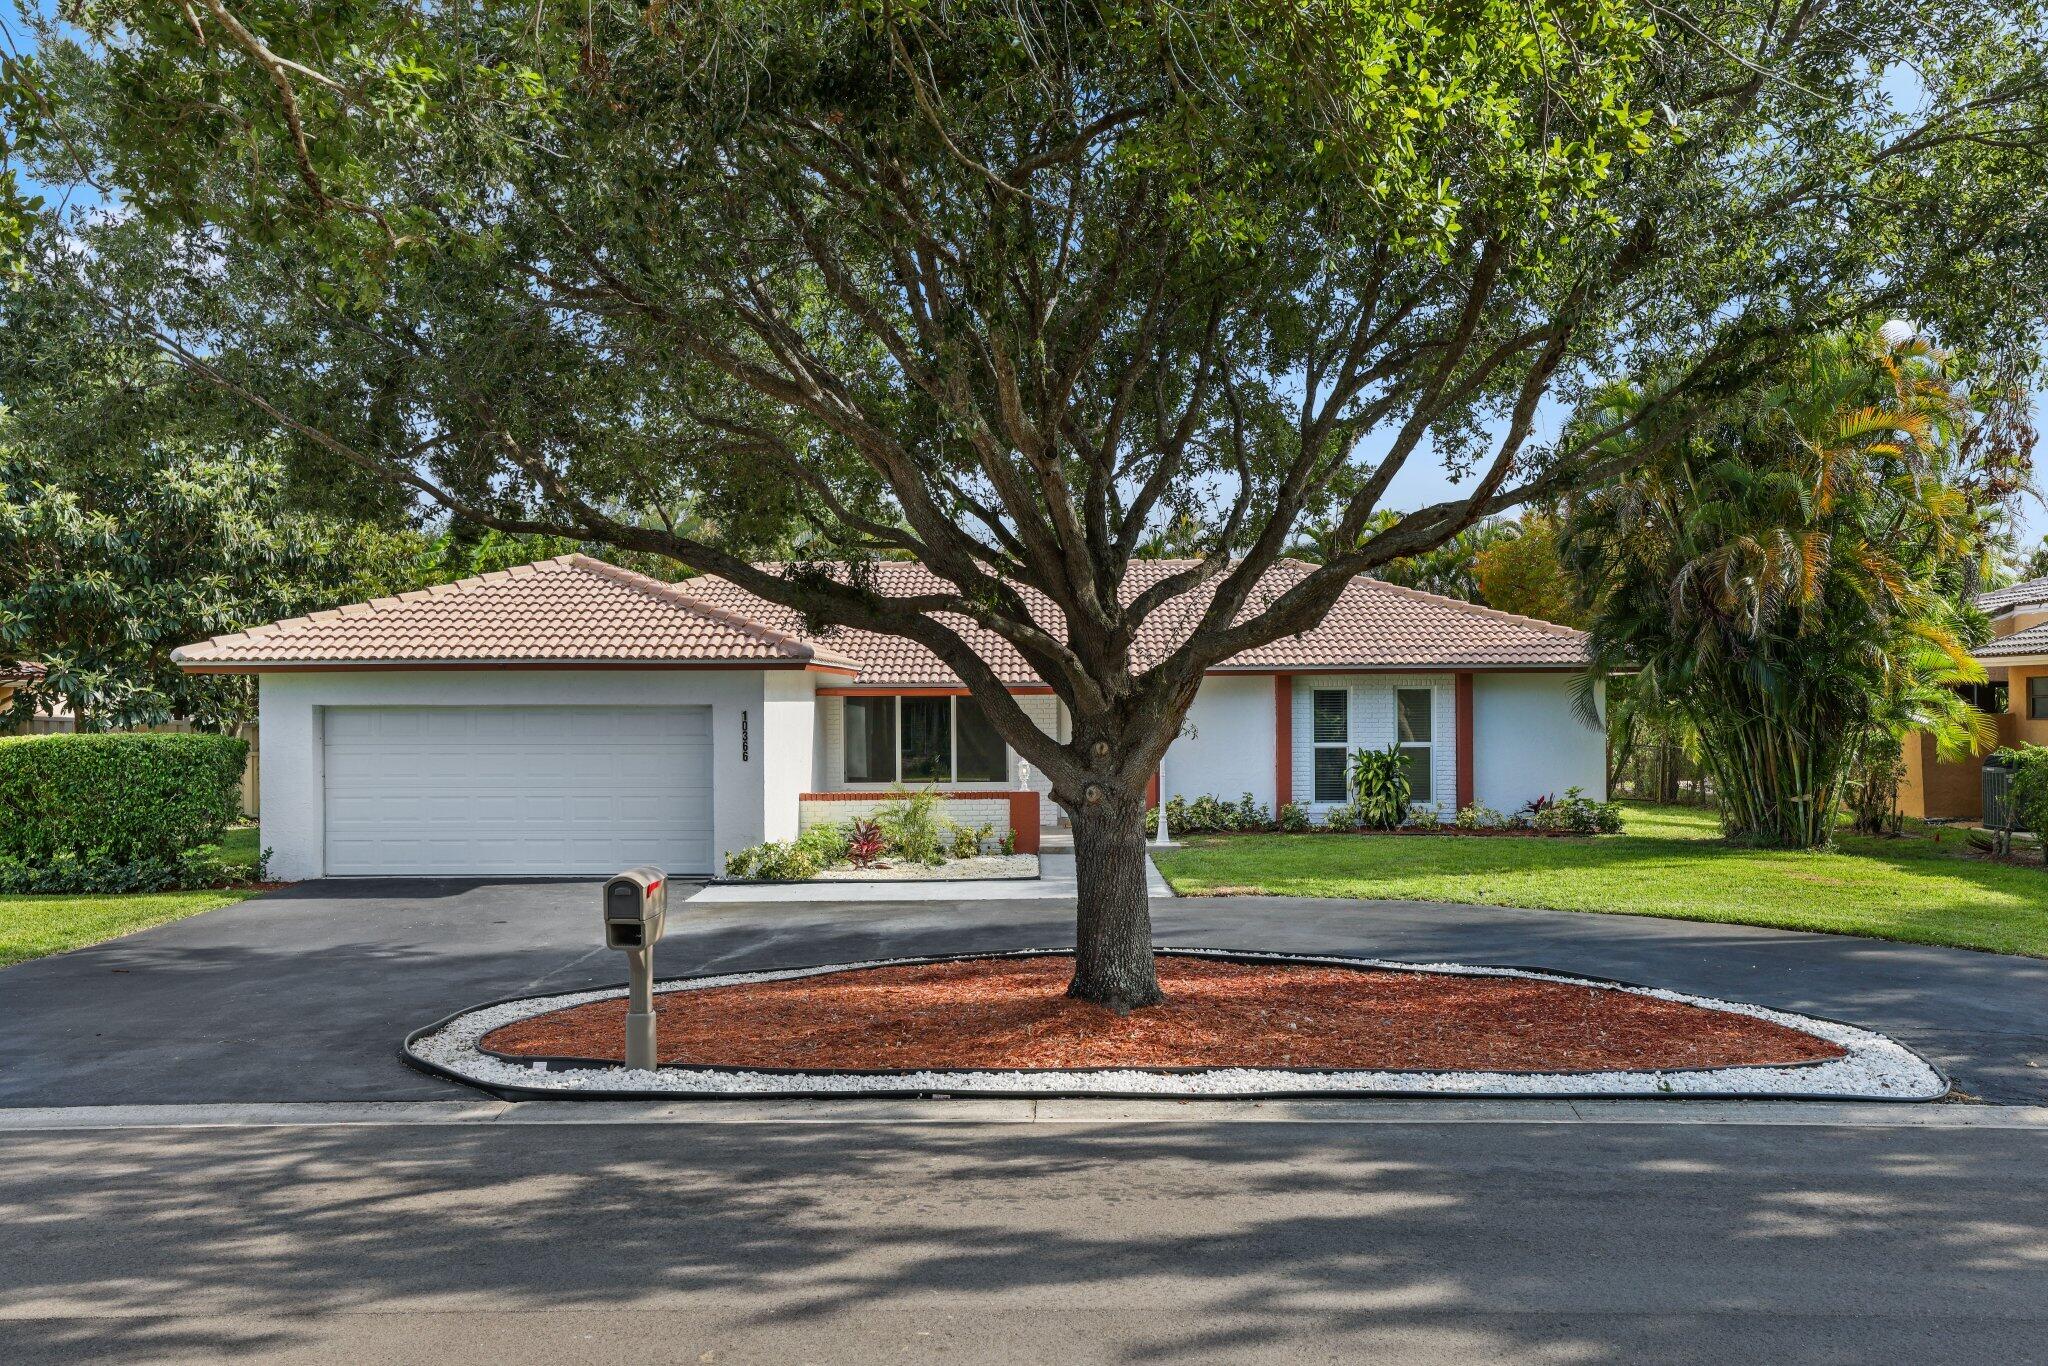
[1113, 928]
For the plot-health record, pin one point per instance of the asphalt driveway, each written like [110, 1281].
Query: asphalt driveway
[303, 994]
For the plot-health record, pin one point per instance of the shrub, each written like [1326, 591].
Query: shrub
[1575, 814]
[135, 799]
[2030, 789]
[1205, 815]
[966, 842]
[1425, 818]
[828, 840]
[912, 826]
[102, 875]
[1349, 816]
[774, 861]
[1293, 817]
[1476, 817]
[1379, 785]
[1208, 815]
[1009, 842]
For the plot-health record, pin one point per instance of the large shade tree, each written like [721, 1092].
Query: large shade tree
[1012, 287]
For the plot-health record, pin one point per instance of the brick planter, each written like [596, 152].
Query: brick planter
[1013, 811]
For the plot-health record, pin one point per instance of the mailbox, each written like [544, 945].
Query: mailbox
[635, 914]
[635, 908]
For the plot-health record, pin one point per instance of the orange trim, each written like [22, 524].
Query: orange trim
[1023, 808]
[1152, 790]
[1283, 740]
[1463, 693]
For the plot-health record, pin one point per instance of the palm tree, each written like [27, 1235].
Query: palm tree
[1791, 578]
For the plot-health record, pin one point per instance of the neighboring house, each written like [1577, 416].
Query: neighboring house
[2016, 692]
[572, 717]
[12, 677]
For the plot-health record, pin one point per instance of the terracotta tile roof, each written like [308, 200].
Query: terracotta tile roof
[2032, 641]
[1372, 626]
[2028, 594]
[577, 610]
[569, 610]
[20, 673]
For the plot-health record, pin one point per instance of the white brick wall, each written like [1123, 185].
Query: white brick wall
[1372, 727]
[968, 811]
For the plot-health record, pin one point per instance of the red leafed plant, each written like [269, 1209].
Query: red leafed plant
[865, 843]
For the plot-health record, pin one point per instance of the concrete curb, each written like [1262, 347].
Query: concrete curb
[401, 1114]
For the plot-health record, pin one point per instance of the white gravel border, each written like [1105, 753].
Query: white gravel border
[1874, 1068]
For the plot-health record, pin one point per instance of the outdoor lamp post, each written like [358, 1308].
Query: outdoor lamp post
[1163, 838]
[635, 914]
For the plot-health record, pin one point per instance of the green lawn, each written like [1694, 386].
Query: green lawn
[1669, 862]
[32, 926]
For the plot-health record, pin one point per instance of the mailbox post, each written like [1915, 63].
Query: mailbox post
[635, 914]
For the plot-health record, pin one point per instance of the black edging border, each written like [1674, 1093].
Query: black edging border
[526, 1093]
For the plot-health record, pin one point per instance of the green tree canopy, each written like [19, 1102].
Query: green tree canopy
[1794, 579]
[1013, 289]
[1525, 573]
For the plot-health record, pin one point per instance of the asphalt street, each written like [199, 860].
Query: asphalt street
[1076, 1242]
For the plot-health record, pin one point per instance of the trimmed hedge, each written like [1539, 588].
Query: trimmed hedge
[128, 798]
[2029, 795]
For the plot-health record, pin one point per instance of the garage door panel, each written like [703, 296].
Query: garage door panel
[511, 790]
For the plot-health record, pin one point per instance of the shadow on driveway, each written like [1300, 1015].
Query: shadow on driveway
[303, 994]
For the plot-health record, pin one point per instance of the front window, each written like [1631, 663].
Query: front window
[1331, 713]
[927, 739]
[2037, 698]
[922, 740]
[1413, 715]
[978, 752]
[871, 739]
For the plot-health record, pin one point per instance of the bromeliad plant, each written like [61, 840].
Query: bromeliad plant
[1380, 788]
[865, 843]
[1793, 576]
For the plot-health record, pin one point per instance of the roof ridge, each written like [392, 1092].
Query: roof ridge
[673, 596]
[1477, 609]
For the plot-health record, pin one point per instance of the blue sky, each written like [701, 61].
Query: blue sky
[1421, 481]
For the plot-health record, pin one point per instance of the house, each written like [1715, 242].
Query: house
[12, 677]
[573, 717]
[2015, 692]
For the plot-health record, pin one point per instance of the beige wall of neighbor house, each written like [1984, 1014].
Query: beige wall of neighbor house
[1937, 789]
[2027, 729]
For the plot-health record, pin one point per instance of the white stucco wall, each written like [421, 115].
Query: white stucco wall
[1225, 748]
[1528, 741]
[787, 734]
[753, 797]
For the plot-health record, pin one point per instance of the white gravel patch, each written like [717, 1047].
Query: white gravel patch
[1874, 1067]
[981, 867]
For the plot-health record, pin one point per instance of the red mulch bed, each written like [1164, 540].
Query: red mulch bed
[1011, 1013]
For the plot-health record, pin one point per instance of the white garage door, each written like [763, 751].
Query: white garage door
[517, 790]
